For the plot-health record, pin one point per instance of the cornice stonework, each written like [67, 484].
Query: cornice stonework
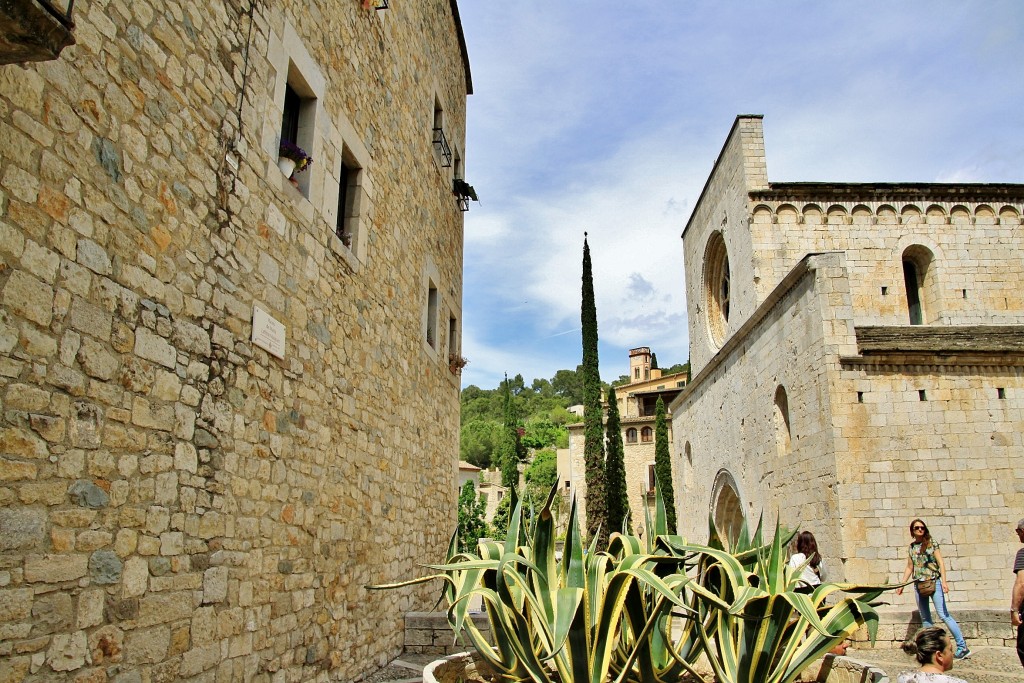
[876, 192]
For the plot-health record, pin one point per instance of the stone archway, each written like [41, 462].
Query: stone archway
[726, 505]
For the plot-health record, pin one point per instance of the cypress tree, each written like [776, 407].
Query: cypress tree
[509, 449]
[654, 361]
[663, 464]
[618, 501]
[593, 444]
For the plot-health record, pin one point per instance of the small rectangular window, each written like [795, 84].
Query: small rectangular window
[298, 124]
[348, 182]
[453, 348]
[860, 397]
[432, 315]
[921, 395]
[1001, 392]
[440, 140]
[651, 478]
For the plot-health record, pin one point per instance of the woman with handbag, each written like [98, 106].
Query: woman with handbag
[924, 562]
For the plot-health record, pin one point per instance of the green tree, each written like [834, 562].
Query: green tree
[677, 368]
[618, 502]
[472, 525]
[654, 361]
[542, 433]
[569, 384]
[540, 476]
[623, 379]
[478, 442]
[663, 464]
[510, 451]
[499, 523]
[593, 431]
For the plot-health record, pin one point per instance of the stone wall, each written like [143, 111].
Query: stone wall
[176, 502]
[973, 235]
[740, 443]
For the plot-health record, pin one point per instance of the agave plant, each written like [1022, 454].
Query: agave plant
[769, 632]
[589, 616]
[642, 611]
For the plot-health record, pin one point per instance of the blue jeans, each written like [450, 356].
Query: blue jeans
[939, 598]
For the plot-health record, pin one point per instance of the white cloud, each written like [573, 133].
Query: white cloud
[590, 117]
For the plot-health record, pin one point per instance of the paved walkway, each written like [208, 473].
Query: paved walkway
[988, 664]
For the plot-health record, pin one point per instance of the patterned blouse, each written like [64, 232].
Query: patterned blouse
[921, 677]
[925, 564]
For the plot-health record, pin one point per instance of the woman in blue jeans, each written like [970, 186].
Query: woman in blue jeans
[924, 561]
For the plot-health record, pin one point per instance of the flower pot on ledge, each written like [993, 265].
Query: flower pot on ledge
[286, 165]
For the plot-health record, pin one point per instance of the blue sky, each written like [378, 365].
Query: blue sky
[607, 117]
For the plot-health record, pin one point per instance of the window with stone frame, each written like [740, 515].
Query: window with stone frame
[783, 431]
[631, 435]
[717, 288]
[432, 315]
[646, 435]
[348, 188]
[299, 112]
[439, 137]
[919, 284]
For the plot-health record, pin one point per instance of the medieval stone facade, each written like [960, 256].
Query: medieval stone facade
[858, 360]
[219, 388]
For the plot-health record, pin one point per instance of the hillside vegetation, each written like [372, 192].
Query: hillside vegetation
[541, 410]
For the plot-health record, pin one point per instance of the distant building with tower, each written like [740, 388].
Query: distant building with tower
[636, 401]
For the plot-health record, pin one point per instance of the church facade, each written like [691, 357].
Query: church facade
[857, 355]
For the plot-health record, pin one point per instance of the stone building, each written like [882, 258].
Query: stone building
[636, 401]
[220, 389]
[857, 354]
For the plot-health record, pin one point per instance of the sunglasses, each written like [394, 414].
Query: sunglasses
[917, 528]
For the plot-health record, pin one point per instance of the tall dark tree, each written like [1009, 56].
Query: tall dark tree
[654, 361]
[618, 501]
[593, 431]
[663, 464]
[510, 448]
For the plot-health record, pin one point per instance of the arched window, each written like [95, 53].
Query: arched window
[717, 287]
[631, 435]
[646, 434]
[687, 466]
[919, 283]
[726, 506]
[783, 433]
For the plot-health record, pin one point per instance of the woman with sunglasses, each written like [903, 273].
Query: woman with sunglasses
[924, 562]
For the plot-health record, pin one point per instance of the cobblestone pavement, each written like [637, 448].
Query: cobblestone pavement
[988, 664]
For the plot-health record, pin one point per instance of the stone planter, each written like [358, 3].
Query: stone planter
[466, 667]
[463, 667]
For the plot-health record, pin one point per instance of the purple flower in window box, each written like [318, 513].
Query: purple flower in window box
[289, 150]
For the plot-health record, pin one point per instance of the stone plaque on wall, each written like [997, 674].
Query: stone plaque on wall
[267, 332]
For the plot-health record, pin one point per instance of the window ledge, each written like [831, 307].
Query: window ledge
[343, 252]
[31, 33]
